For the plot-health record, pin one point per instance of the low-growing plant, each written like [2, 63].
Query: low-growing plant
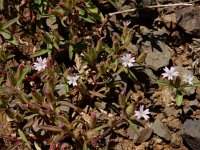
[49, 103]
[178, 81]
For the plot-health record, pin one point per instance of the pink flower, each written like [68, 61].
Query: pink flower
[126, 22]
[142, 113]
[188, 78]
[127, 60]
[40, 64]
[72, 80]
[170, 73]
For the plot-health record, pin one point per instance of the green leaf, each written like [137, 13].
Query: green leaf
[40, 16]
[179, 98]
[6, 34]
[10, 56]
[1, 80]
[39, 2]
[132, 76]
[94, 11]
[163, 83]
[113, 3]
[192, 85]
[47, 38]
[40, 53]
[1, 5]
[23, 75]
[86, 17]
[56, 42]
[2, 89]
[22, 135]
[71, 49]
[10, 22]
[13, 41]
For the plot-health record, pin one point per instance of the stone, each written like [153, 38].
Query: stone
[168, 111]
[191, 133]
[161, 130]
[158, 58]
[189, 20]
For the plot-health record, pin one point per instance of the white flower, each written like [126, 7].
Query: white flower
[72, 80]
[170, 73]
[40, 64]
[187, 78]
[142, 113]
[127, 60]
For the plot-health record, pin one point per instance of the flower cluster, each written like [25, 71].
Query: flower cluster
[172, 73]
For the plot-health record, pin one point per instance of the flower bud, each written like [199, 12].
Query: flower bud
[178, 82]
[122, 99]
[116, 46]
[74, 39]
[20, 70]
[129, 36]
[142, 56]
[100, 44]
[130, 110]
[62, 5]
[50, 97]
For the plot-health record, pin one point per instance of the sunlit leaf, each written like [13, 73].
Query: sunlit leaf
[10, 22]
[71, 49]
[179, 98]
[6, 34]
[94, 11]
[163, 83]
[10, 56]
[85, 16]
[113, 3]
[22, 135]
[194, 84]
[40, 53]
[23, 75]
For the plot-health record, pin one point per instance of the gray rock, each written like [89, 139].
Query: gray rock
[157, 59]
[168, 111]
[189, 19]
[191, 133]
[191, 128]
[144, 135]
[161, 130]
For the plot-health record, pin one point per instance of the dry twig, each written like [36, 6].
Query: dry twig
[154, 6]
